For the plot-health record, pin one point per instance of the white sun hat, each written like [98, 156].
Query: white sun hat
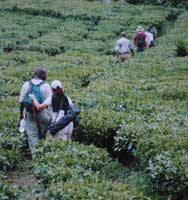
[139, 29]
[56, 84]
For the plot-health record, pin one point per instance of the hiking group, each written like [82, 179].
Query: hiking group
[47, 111]
[142, 40]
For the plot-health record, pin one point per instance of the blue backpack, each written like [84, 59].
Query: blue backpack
[35, 90]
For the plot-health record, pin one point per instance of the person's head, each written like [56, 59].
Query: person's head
[122, 34]
[139, 29]
[57, 87]
[149, 28]
[40, 72]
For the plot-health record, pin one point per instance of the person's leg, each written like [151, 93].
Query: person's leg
[44, 118]
[140, 49]
[66, 133]
[32, 132]
[69, 130]
[123, 57]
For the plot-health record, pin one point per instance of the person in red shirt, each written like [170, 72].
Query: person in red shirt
[140, 39]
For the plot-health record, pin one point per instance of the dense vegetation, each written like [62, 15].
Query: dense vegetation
[137, 109]
[177, 3]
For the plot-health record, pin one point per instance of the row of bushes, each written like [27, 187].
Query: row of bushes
[51, 36]
[70, 170]
[156, 132]
[177, 3]
[114, 99]
[10, 192]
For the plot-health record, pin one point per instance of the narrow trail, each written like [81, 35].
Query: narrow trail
[23, 178]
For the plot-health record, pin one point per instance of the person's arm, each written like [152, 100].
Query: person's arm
[23, 93]
[117, 48]
[70, 102]
[21, 110]
[135, 38]
[37, 105]
[131, 49]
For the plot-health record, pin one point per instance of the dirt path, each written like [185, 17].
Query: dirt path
[24, 178]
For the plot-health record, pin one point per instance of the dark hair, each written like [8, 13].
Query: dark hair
[60, 101]
[40, 72]
[122, 34]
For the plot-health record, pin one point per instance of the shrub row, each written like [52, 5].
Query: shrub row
[10, 192]
[73, 171]
[178, 3]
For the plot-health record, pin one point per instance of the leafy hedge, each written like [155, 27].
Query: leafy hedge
[178, 3]
[94, 188]
[10, 152]
[73, 171]
[142, 101]
[10, 192]
[156, 130]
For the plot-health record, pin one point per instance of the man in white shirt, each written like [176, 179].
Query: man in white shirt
[149, 39]
[36, 121]
[123, 48]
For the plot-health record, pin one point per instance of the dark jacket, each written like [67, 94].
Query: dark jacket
[65, 120]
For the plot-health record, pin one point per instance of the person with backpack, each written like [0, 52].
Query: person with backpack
[123, 48]
[152, 29]
[63, 111]
[36, 122]
[140, 39]
[149, 38]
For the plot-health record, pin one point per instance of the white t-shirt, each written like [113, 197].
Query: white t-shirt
[45, 89]
[123, 45]
[149, 38]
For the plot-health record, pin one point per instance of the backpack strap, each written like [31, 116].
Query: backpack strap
[41, 83]
[35, 112]
[31, 84]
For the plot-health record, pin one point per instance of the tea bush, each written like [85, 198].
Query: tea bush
[66, 160]
[74, 171]
[138, 106]
[10, 192]
[10, 151]
[95, 188]
[156, 127]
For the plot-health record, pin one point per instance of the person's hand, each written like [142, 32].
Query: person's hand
[20, 118]
[31, 96]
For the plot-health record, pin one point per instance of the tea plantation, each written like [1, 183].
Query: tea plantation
[131, 142]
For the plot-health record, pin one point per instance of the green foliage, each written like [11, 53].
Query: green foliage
[140, 104]
[181, 48]
[94, 188]
[74, 171]
[10, 151]
[62, 161]
[169, 170]
[178, 3]
[10, 192]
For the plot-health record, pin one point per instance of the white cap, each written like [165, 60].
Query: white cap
[139, 29]
[56, 84]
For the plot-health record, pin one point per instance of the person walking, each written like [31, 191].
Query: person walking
[149, 38]
[36, 122]
[140, 39]
[61, 126]
[123, 48]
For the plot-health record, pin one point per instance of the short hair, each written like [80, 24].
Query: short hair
[40, 72]
[122, 34]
